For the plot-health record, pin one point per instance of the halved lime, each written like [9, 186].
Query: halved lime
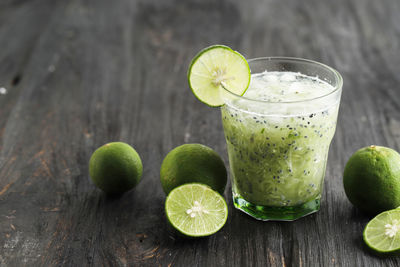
[217, 66]
[196, 210]
[382, 233]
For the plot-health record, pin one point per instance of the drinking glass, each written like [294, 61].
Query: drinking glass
[278, 150]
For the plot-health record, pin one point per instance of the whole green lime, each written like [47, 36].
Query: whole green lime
[372, 179]
[193, 163]
[115, 168]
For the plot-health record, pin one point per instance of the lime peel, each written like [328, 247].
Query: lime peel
[371, 179]
[193, 163]
[115, 167]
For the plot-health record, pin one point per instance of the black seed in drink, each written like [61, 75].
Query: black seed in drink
[276, 127]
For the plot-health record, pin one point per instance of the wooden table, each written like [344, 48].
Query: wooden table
[77, 74]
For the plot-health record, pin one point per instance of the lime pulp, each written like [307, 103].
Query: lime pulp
[215, 67]
[196, 210]
[382, 233]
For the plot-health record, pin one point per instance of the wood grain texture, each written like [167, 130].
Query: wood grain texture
[82, 73]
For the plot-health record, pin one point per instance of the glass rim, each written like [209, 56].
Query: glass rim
[337, 76]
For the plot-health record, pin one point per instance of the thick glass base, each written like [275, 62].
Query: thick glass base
[287, 213]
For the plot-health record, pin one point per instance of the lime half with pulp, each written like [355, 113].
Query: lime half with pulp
[382, 233]
[196, 210]
[215, 67]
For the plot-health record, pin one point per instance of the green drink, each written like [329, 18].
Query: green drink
[278, 135]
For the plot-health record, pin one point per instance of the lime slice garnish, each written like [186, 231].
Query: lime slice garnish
[196, 210]
[382, 233]
[214, 67]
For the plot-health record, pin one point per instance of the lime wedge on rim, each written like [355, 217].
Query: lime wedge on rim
[382, 233]
[214, 67]
[196, 210]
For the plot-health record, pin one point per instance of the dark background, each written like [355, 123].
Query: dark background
[81, 73]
